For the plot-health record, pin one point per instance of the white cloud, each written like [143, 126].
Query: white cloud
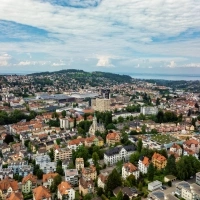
[172, 64]
[4, 59]
[104, 61]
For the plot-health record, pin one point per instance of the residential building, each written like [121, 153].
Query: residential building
[192, 144]
[198, 178]
[86, 186]
[102, 178]
[71, 176]
[41, 193]
[101, 105]
[159, 161]
[5, 172]
[176, 148]
[143, 164]
[76, 143]
[154, 185]
[7, 186]
[48, 179]
[79, 162]
[42, 159]
[149, 110]
[65, 189]
[128, 169]
[93, 140]
[62, 154]
[15, 196]
[29, 182]
[89, 172]
[48, 167]
[16, 166]
[132, 192]
[112, 138]
[116, 154]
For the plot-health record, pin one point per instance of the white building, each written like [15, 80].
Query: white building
[149, 110]
[102, 178]
[128, 169]
[71, 176]
[42, 159]
[154, 185]
[48, 167]
[116, 154]
[65, 190]
[143, 164]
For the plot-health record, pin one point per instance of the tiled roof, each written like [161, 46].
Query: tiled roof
[41, 192]
[6, 183]
[63, 187]
[48, 176]
[130, 167]
[30, 177]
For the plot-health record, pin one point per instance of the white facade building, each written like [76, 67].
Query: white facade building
[149, 110]
[128, 169]
[143, 164]
[154, 185]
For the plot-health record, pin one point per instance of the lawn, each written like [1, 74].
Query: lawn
[164, 139]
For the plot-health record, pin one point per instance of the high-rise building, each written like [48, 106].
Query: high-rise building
[105, 93]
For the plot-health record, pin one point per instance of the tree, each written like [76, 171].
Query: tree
[170, 168]
[63, 113]
[56, 181]
[87, 197]
[134, 157]
[150, 173]
[8, 139]
[99, 191]
[157, 102]
[139, 145]
[120, 119]
[131, 179]
[95, 158]
[140, 186]
[120, 195]
[39, 173]
[59, 170]
[114, 180]
[58, 141]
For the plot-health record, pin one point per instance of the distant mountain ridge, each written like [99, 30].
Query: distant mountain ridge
[95, 77]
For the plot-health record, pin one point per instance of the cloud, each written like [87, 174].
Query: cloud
[104, 61]
[172, 64]
[4, 59]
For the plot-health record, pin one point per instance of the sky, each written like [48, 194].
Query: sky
[120, 36]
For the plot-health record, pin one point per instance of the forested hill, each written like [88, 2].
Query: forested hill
[85, 77]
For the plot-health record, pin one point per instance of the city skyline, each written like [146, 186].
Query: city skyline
[100, 35]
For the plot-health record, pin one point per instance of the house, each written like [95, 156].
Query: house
[112, 138]
[192, 144]
[116, 154]
[42, 159]
[79, 162]
[89, 172]
[130, 192]
[71, 176]
[198, 178]
[159, 161]
[154, 185]
[176, 148]
[143, 164]
[62, 154]
[41, 193]
[93, 140]
[187, 152]
[47, 179]
[5, 172]
[86, 186]
[29, 182]
[128, 169]
[15, 196]
[8, 186]
[4, 148]
[101, 181]
[65, 189]
[48, 167]
[76, 143]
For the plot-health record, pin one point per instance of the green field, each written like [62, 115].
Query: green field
[164, 139]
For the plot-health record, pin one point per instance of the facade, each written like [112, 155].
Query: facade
[47, 179]
[62, 154]
[18, 166]
[128, 169]
[149, 110]
[28, 183]
[76, 143]
[116, 154]
[71, 176]
[93, 140]
[5, 172]
[65, 189]
[48, 167]
[101, 105]
[79, 163]
[41, 192]
[96, 127]
[112, 138]
[143, 164]
[198, 178]
[42, 159]
[86, 186]
[89, 172]
[159, 161]
[154, 185]
[192, 144]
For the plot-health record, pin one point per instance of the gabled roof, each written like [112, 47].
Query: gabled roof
[41, 192]
[48, 176]
[30, 177]
[63, 187]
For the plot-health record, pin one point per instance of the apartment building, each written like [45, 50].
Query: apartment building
[47, 179]
[41, 192]
[101, 181]
[86, 186]
[62, 154]
[71, 176]
[89, 172]
[29, 182]
[101, 105]
[65, 190]
[143, 164]
[149, 110]
[112, 138]
[192, 144]
[159, 161]
[128, 169]
[116, 154]
[79, 163]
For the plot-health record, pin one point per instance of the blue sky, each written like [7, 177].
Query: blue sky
[127, 36]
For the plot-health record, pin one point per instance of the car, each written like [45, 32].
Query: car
[164, 188]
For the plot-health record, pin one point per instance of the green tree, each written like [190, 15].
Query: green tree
[120, 195]
[134, 158]
[170, 168]
[131, 179]
[139, 145]
[56, 181]
[150, 173]
[63, 113]
[39, 173]
[87, 197]
[114, 180]
[95, 158]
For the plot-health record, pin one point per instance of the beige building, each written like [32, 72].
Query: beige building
[101, 104]
[48, 179]
[29, 182]
[102, 178]
[112, 138]
[79, 163]
[89, 172]
[86, 186]
[62, 154]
